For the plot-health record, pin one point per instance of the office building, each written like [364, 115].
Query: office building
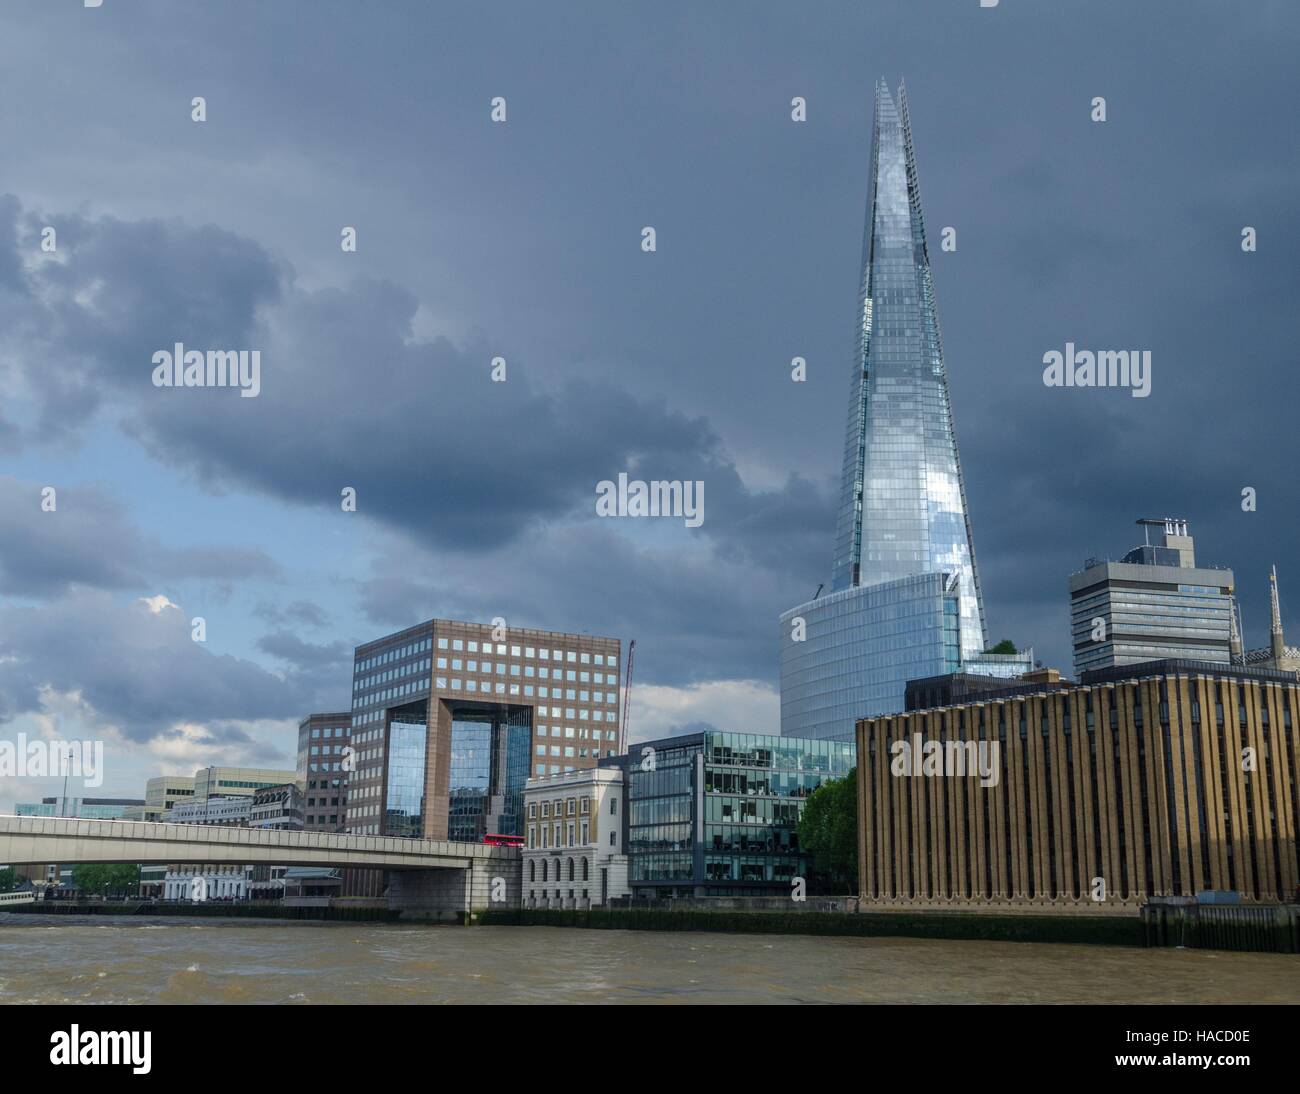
[225, 883]
[1154, 603]
[717, 814]
[236, 782]
[1162, 779]
[165, 791]
[573, 848]
[224, 812]
[279, 807]
[450, 719]
[83, 808]
[905, 597]
[324, 769]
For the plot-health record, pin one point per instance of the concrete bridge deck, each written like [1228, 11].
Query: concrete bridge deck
[37, 840]
[424, 876]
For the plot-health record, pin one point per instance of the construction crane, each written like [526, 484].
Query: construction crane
[627, 699]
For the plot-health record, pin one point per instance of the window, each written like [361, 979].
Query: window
[613, 807]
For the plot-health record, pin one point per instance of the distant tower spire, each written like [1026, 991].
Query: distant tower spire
[1279, 647]
[1236, 649]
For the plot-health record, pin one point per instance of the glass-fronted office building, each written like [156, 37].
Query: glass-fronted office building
[905, 598]
[449, 719]
[717, 814]
[855, 650]
[82, 808]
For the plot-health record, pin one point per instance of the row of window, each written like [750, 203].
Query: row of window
[581, 733]
[500, 668]
[558, 835]
[554, 871]
[571, 753]
[573, 805]
[569, 656]
[328, 731]
[414, 668]
[395, 654]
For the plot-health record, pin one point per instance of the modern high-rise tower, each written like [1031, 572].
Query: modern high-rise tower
[905, 596]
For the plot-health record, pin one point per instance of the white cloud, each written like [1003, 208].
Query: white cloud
[736, 706]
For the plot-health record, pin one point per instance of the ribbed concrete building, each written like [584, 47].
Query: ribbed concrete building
[1161, 779]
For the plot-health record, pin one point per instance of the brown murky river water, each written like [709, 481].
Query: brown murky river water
[127, 960]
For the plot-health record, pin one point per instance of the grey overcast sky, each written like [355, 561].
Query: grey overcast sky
[522, 240]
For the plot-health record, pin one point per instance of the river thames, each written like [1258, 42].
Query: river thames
[130, 960]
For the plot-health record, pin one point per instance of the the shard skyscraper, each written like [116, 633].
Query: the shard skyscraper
[905, 599]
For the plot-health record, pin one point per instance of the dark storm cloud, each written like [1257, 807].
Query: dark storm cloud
[139, 669]
[693, 620]
[482, 465]
[1116, 235]
[335, 657]
[93, 314]
[89, 539]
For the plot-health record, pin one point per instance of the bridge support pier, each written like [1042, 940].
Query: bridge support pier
[449, 894]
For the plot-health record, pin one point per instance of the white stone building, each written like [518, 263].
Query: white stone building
[573, 854]
[207, 882]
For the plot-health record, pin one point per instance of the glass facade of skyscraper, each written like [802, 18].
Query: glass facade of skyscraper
[904, 553]
[902, 498]
[860, 647]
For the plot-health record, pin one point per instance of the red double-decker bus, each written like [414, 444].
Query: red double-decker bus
[497, 840]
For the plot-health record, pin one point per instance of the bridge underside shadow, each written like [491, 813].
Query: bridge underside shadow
[449, 895]
[425, 879]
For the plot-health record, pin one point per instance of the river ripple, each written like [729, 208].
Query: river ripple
[97, 959]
